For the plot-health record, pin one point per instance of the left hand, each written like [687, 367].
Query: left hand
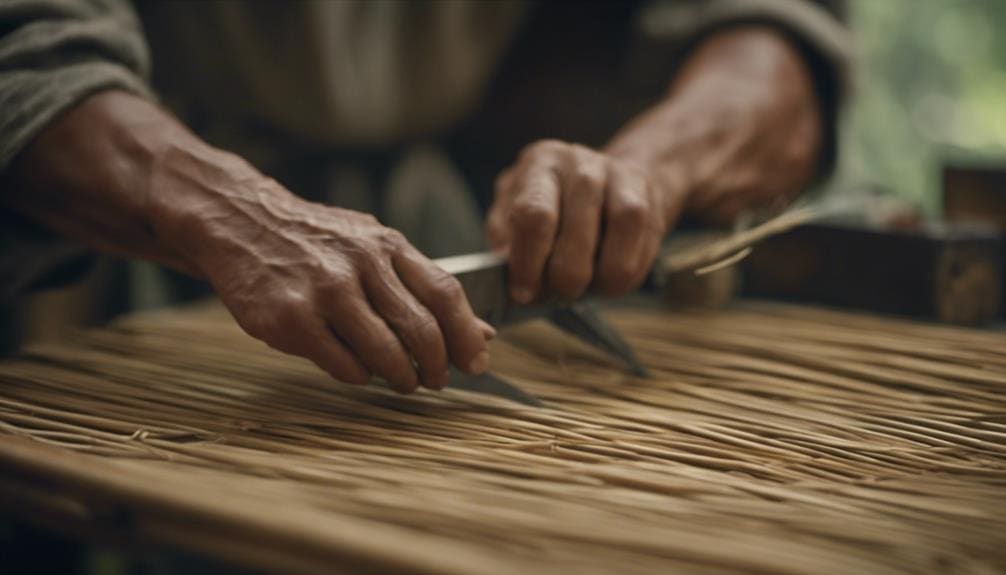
[573, 218]
[740, 128]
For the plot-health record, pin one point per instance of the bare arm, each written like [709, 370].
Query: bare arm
[328, 284]
[745, 122]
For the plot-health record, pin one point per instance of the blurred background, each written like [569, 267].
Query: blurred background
[930, 87]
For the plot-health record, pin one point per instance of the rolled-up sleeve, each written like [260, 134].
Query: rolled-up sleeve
[818, 28]
[53, 54]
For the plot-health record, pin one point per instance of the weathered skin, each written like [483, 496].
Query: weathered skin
[740, 126]
[328, 284]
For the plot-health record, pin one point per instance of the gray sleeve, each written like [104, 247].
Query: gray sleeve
[53, 54]
[817, 27]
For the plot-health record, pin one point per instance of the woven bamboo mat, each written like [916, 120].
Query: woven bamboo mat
[771, 439]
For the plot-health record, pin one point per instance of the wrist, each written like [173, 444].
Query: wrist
[86, 175]
[209, 205]
[662, 160]
[742, 89]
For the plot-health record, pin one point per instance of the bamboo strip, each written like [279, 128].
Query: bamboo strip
[771, 439]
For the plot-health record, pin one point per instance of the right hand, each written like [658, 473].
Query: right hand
[324, 283]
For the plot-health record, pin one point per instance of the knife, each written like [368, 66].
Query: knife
[483, 276]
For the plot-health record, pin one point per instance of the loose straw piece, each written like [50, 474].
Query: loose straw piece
[770, 439]
[724, 263]
[711, 253]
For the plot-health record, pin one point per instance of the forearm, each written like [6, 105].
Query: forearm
[89, 176]
[321, 282]
[741, 79]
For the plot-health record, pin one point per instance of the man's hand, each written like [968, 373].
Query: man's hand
[746, 125]
[551, 208]
[327, 284]
[741, 127]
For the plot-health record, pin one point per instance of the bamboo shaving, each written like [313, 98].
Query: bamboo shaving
[722, 249]
[770, 439]
[724, 263]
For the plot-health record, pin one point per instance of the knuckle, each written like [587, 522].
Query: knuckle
[546, 147]
[497, 235]
[274, 320]
[495, 221]
[502, 181]
[336, 286]
[533, 217]
[366, 218]
[631, 212]
[587, 177]
[393, 240]
[449, 288]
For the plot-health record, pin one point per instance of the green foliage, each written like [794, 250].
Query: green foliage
[930, 82]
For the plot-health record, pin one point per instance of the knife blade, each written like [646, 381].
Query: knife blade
[483, 276]
[484, 279]
[489, 384]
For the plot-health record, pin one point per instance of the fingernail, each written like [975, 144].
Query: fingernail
[522, 295]
[480, 363]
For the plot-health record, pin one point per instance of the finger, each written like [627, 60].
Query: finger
[328, 353]
[355, 322]
[303, 334]
[412, 322]
[533, 221]
[571, 264]
[630, 223]
[488, 331]
[497, 230]
[644, 262]
[464, 333]
[647, 255]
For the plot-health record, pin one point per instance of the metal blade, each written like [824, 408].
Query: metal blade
[483, 277]
[491, 385]
[584, 321]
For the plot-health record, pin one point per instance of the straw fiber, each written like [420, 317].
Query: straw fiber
[770, 439]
